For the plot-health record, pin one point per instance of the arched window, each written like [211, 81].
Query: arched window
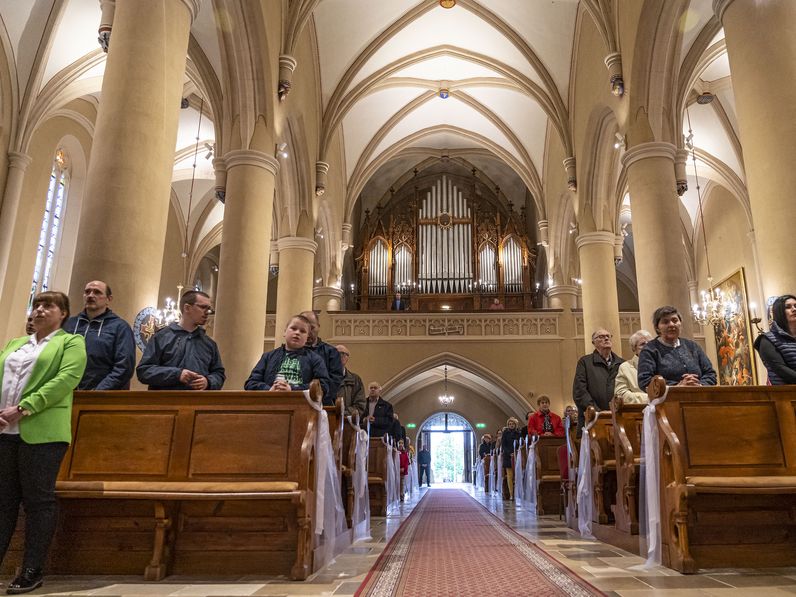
[50, 232]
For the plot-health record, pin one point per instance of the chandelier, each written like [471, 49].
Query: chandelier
[170, 313]
[716, 306]
[446, 399]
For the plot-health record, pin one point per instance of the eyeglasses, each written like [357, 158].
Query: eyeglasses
[205, 308]
[603, 337]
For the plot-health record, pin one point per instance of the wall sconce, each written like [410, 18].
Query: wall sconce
[281, 151]
[621, 141]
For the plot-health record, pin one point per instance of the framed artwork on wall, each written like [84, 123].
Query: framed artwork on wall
[736, 363]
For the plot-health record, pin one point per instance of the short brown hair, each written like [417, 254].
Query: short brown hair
[189, 298]
[542, 397]
[300, 317]
[52, 297]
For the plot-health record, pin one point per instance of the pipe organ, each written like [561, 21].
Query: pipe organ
[445, 246]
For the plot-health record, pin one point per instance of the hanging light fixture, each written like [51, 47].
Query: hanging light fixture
[716, 306]
[446, 399]
[170, 313]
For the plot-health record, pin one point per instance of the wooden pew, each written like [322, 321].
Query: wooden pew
[377, 476]
[348, 449]
[210, 483]
[336, 418]
[549, 475]
[727, 476]
[603, 466]
[628, 422]
[487, 477]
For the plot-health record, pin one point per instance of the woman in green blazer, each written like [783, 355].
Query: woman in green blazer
[37, 376]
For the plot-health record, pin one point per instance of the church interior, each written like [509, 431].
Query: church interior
[463, 191]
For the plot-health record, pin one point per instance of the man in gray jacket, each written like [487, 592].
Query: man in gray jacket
[595, 376]
[351, 388]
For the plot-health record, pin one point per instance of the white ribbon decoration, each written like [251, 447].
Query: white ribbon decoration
[585, 490]
[492, 472]
[479, 474]
[519, 482]
[530, 476]
[499, 483]
[390, 480]
[396, 463]
[360, 522]
[330, 523]
[651, 513]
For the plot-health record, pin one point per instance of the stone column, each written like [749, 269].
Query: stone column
[126, 202]
[294, 290]
[598, 272]
[761, 49]
[657, 233]
[243, 272]
[562, 296]
[325, 299]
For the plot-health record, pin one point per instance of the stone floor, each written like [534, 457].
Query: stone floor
[604, 566]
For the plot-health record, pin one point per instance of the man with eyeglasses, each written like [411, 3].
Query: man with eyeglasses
[181, 356]
[595, 376]
[351, 389]
[110, 348]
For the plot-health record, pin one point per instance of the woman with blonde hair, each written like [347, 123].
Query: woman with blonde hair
[626, 385]
[511, 434]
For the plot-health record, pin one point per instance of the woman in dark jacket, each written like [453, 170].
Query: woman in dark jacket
[681, 362]
[486, 446]
[511, 434]
[777, 347]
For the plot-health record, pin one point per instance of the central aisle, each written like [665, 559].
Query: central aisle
[451, 545]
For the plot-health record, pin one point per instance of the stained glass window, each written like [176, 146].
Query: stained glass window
[50, 232]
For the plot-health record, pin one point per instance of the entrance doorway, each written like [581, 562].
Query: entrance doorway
[449, 438]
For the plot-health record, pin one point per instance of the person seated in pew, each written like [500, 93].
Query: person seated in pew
[544, 422]
[379, 411]
[626, 385]
[181, 356]
[510, 435]
[571, 413]
[292, 366]
[680, 361]
[486, 446]
[777, 347]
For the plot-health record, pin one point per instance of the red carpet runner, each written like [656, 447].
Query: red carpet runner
[452, 546]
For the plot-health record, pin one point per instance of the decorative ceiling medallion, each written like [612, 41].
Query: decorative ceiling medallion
[447, 3]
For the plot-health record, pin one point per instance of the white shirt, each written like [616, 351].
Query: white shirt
[17, 371]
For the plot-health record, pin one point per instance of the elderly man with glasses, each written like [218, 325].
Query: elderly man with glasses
[351, 389]
[595, 376]
[181, 356]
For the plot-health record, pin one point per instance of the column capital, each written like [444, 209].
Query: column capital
[297, 242]
[251, 157]
[644, 151]
[719, 7]
[19, 160]
[332, 291]
[193, 7]
[562, 290]
[595, 238]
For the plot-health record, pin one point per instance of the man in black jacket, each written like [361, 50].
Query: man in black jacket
[595, 376]
[378, 411]
[182, 356]
[424, 466]
[330, 356]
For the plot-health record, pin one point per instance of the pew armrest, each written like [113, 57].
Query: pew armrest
[175, 490]
[785, 484]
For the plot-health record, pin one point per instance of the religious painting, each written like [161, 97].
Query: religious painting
[736, 363]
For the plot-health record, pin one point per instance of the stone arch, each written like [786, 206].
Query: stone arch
[487, 383]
